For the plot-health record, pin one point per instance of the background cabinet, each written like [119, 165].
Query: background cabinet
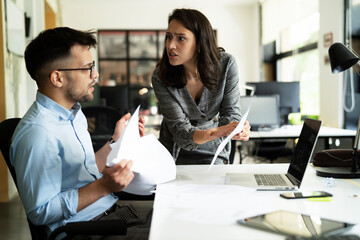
[127, 59]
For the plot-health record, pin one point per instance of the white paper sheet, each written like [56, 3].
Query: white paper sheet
[207, 196]
[210, 204]
[152, 163]
[238, 129]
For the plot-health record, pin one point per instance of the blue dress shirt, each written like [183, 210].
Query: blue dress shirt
[53, 157]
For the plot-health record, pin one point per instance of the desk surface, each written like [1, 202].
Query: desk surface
[293, 131]
[197, 205]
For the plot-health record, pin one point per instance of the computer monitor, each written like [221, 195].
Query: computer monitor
[264, 112]
[115, 96]
[289, 93]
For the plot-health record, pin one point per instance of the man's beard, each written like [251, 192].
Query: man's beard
[76, 97]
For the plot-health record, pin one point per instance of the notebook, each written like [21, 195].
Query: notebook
[286, 181]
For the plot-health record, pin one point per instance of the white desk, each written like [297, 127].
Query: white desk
[213, 216]
[293, 131]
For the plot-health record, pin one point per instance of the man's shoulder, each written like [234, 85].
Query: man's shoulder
[34, 123]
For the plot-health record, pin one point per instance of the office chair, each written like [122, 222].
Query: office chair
[232, 152]
[272, 149]
[106, 227]
[101, 123]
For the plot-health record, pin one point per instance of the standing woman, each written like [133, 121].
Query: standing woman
[196, 84]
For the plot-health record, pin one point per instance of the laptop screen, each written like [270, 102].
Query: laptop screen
[304, 148]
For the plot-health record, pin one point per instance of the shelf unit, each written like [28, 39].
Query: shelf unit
[127, 59]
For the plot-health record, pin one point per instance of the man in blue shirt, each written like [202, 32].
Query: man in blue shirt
[60, 178]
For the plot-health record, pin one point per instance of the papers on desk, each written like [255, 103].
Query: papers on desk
[237, 130]
[209, 204]
[152, 163]
[206, 196]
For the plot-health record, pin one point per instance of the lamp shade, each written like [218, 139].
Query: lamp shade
[341, 58]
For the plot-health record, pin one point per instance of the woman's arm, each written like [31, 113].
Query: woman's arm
[229, 112]
[204, 136]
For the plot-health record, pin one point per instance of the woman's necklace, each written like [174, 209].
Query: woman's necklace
[194, 78]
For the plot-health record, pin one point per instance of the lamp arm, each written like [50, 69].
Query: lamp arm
[352, 94]
[352, 50]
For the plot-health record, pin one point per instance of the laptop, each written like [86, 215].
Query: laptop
[292, 179]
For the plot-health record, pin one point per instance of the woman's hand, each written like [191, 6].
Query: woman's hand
[203, 136]
[244, 134]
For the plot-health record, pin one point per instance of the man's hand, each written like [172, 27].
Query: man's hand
[117, 177]
[114, 179]
[142, 126]
[120, 126]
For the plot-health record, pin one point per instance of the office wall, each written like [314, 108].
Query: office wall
[12, 77]
[331, 22]
[19, 89]
[3, 169]
[331, 85]
[236, 24]
[276, 11]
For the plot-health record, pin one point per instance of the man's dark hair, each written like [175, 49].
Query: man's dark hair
[54, 44]
[208, 53]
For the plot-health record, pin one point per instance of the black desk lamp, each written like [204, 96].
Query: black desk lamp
[342, 58]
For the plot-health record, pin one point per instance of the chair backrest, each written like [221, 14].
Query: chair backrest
[101, 119]
[7, 128]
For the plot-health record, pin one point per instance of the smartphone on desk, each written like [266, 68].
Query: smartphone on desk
[308, 194]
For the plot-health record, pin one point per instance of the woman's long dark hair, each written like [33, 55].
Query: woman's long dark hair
[208, 53]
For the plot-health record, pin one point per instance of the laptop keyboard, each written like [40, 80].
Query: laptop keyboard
[269, 180]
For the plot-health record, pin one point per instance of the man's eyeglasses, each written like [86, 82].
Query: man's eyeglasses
[78, 69]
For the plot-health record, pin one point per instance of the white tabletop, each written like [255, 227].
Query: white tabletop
[197, 205]
[293, 131]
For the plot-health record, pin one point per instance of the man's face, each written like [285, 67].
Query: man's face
[80, 85]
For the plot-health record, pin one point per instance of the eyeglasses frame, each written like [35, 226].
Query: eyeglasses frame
[79, 69]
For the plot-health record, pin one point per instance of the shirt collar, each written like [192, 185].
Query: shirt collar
[56, 108]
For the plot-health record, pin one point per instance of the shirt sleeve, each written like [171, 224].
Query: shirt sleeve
[176, 120]
[36, 158]
[230, 107]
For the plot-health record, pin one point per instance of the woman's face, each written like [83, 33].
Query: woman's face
[180, 44]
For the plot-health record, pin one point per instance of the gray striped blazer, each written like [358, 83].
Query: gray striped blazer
[182, 116]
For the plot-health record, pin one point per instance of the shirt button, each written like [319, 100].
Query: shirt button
[225, 161]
